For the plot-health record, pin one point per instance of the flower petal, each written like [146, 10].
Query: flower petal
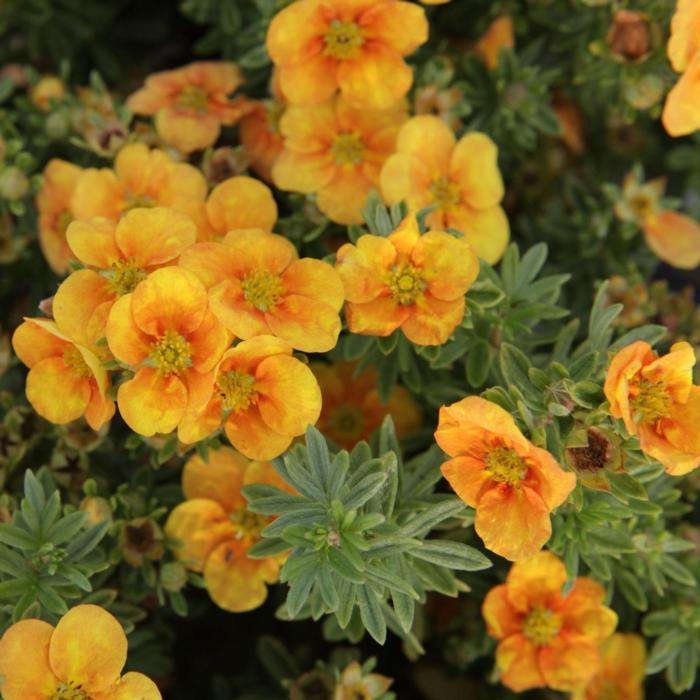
[313, 278]
[235, 582]
[171, 299]
[681, 115]
[25, 673]
[474, 165]
[307, 324]
[296, 33]
[674, 238]
[187, 132]
[88, 647]
[380, 317]
[151, 402]
[92, 242]
[252, 436]
[154, 236]
[208, 343]
[302, 172]
[467, 477]
[432, 321]
[362, 267]
[343, 198]
[487, 230]
[430, 140]
[199, 525]
[310, 83]
[309, 130]
[513, 523]
[401, 26]
[55, 392]
[211, 262]
[404, 176]
[289, 396]
[239, 203]
[516, 657]
[38, 339]
[568, 663]
[219, 479]
[246, 356]
[125, 339]
[537, 581]
[502, 619]
[135, 686]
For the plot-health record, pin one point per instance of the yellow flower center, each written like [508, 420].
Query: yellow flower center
[237, 390]
[171, 353]
[348, 149]
[73, 359]
[193, 98]
[343, 40]
[650, 401]
[445, 193]
[125, 276]
[262, 289]
[346, 421]
[70, 692]
[541, 626]
[405, 283]
[643, 205]
[506, 466]
[247, 525]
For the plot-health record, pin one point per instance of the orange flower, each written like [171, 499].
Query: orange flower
[260, 135]
[681, 113]
[512, 484]
[355, 683]
[53, 205]
[166, 332]
[352, 409]
[82, 657]
[656, 399]
[546, 638]
[460, 178]
[499, 35]
[215, 528]
[408, 281]
[258, 286]
[191, 103]
[141, 178]
[262, 395]
[337, 152]
[237, 203]
[621, 674]
[66, 378]
[356, 46]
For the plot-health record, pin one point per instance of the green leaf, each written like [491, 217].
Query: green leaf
[326, 586]
[610, 540]
[346, 596]
[652, 334]
[345, 566]
[665, 649]
[484, 294]
[631, 588]
[677, 571]
[681, 673]
[478, 363]
[453, 555]
[86, 541]
[338, 471]
[371, 614]
[269, 547]
[299, 590]
[319, 457]
[16, 537]
[34, 492]
[530, 265]
[364, 490]
[66, 528]
[431, 517]
[514, 366]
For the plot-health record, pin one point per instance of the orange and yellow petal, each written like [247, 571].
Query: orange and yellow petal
[303, 172]
[681, 115]
[133, 685]
[38, 339]
[152, 402]
[171, 299]
[88, 648]
[502, 619]
[447, 264]
[309, 130]
[212, 262]
[208, 343]
[567, 663]
[402, 26]
[363, 267]
[536, 581]
[296, 33]
[55, 392]
[315, 278]
[25, 672]
[289, 398]
[404, 176]
[260, 251]
[430, 140]
[467, 477]
[235, 582]
[516, 658]
[584, 612]
[513, 523]
[76, 302]
[379, 317]
[241, 203]
[246, 356]
[125, 339]
[93, 242]
[253, 437]
[486, 230]
[154, 236]
[499, 35]
[310, 325]
[99, 410]
[674, 238]
[474, 165]
[230, 307]
[219, 479]
[198, 525]
[98, 193]
[684, 42]
[432, 321]
[187, 132]
[343, 198]
[310, 83]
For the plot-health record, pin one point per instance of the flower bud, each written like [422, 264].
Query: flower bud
[49, 88]
[630, 36]
[14, 184]
[173, 576]
[98, 509]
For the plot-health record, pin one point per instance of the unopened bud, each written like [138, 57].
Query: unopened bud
[14, 184]
[630, 36]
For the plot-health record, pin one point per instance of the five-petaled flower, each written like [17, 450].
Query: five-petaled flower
[547, 638]
[258, 286]
[66, 378]
[320, 46]
[191, 103]
[166, 332]
[409, 281]
[512, 484]
[263, 396]
[460, 179]
[352, 408]
[336, 152]
[656, 399]
[215, 529]
[81, 658]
